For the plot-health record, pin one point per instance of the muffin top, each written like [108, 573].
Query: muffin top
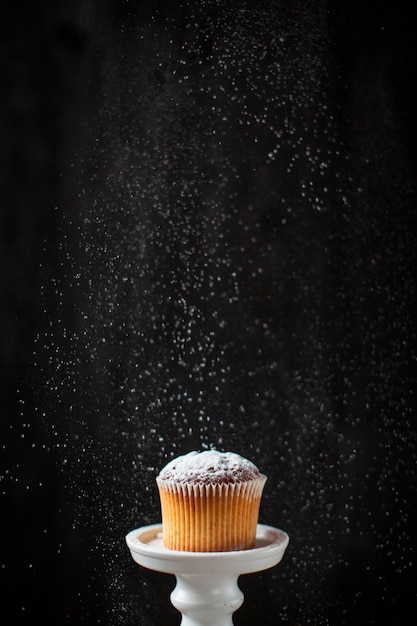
[209, 467]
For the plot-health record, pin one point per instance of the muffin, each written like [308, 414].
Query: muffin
[210, 502]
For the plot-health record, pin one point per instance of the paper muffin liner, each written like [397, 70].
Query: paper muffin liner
[210, 518]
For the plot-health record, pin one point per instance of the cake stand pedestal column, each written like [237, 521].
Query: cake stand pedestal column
[207, 593]
[206, 599]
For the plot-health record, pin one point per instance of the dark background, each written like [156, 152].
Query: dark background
[207, 238]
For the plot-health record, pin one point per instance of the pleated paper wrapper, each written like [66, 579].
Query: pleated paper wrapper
[210, 518]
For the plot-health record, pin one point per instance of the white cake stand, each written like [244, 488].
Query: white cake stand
[206, 593]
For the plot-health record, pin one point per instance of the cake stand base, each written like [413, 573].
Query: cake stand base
[207, 593]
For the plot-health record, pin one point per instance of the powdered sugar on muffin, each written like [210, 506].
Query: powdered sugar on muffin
[209, 467]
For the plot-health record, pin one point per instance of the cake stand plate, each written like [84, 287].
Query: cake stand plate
[207, 593]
